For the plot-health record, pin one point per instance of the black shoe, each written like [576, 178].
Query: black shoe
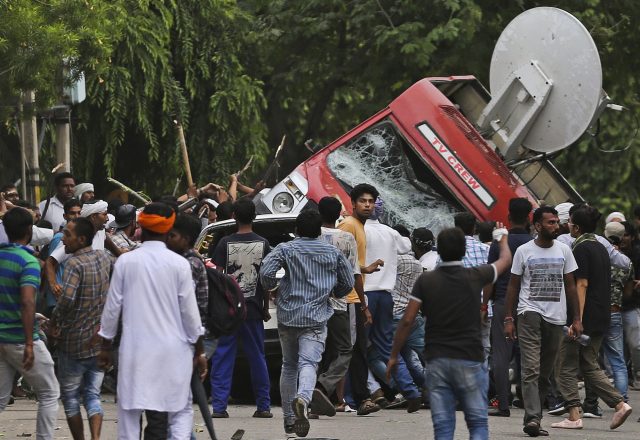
[414, 404]
[591, 413]
[320, 404]
[517, 403]
[496, 412]
[559, 410]
[301, 425]
[220, 415]
[532, 428]
[289, 429]
[263, 414]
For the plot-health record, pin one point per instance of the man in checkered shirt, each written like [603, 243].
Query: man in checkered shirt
[75, 321]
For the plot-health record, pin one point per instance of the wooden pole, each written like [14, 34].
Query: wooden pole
[185, 153]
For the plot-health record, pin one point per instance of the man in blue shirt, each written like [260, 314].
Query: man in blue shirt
[313, 270]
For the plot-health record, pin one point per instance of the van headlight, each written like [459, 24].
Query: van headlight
[282, 203]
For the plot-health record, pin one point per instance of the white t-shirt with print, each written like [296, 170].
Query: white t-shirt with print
[542, 284]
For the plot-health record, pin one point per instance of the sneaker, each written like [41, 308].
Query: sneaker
[263, 414]
[497, 412]
[558, 410]
[301, 425]
[398, 402]
[321, 404]
[289, 429]
[620, 416]
[220, 415]
[568, 424]
[592, 413]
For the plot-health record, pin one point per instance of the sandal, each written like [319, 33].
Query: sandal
[367, 407]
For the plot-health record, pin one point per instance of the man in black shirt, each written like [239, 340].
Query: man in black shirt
[240, 256]
[501, 347]
[593, 280]
[448, 297]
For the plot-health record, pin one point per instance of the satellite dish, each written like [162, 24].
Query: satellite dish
[546, 82]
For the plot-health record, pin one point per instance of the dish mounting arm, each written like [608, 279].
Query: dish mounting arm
[513, 109]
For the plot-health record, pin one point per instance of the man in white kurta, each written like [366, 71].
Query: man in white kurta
[153, 289]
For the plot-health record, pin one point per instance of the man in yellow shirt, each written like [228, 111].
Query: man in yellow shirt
[363, 197]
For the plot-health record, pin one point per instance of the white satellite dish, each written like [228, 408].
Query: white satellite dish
[546, 83]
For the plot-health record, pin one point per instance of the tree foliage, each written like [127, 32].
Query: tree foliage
[239, 75]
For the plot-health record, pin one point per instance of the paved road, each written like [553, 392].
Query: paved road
[18, 421]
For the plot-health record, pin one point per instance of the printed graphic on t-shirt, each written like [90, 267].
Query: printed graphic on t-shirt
[243, 264]
[546, 279]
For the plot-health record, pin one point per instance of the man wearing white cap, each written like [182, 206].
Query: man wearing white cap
[84, 192]
[96, 213]
[615, 216]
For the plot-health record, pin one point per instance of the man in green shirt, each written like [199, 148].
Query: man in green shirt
[20, 347]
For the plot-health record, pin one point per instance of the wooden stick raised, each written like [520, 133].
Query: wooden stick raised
[185, 153]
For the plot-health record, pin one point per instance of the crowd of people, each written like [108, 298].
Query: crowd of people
[369, 316]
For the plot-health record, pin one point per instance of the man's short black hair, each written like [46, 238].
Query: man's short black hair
[309, 223]
[25, 204]
[59, 177]
[70, 204]
[7, 186]
[519, 210]
[451, 244]
[422, 238]
[84, 228]
[113, 205]
[17, 223]
[465, 221]
[244, 211]
[485, 231]
[158, 208]
[539, 213]
[224, 211]
[363, 188]
[586, 218]
[629, 229]
[329, 209]
[169, 200]
[577, 206]
[402, 230]
[189, 227]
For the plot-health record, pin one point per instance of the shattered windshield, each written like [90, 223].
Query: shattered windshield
[412, 195]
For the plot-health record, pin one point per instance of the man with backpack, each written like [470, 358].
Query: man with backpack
[239, 255]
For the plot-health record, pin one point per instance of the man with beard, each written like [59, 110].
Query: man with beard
[64, 184]
[541, 283]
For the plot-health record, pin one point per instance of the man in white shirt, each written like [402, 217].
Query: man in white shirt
[384, 244]
[153, 290]
[64, 184]
[422, 242]
[541, 285]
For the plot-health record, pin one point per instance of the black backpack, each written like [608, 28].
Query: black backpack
[227, 307]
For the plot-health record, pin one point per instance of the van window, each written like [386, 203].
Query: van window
[412, 194]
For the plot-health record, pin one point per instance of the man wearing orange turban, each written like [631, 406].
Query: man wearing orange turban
[153, 289]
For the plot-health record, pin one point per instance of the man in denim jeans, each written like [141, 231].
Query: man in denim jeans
[455, 371]
[313, 270]
[75, 320]
[21, 350]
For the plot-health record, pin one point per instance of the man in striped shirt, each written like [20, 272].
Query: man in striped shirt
[313, 270]
[21, 349]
